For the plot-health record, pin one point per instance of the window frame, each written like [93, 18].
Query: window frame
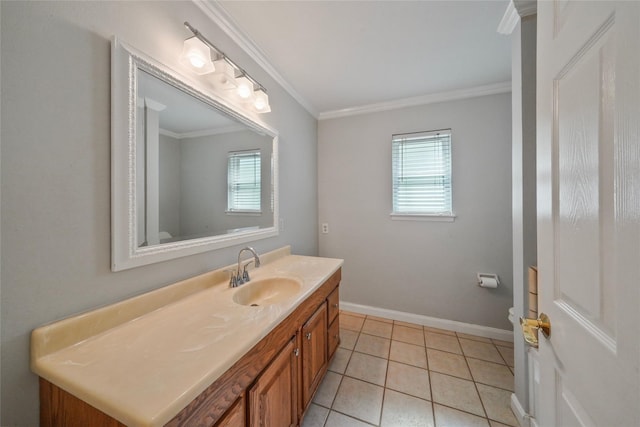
[443, 216]
[231, 210]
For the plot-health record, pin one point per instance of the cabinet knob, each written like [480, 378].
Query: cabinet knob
[308, 336]
[296, 352]
[335, 305]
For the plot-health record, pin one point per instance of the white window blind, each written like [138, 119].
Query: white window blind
[243, 179]
[422, 173]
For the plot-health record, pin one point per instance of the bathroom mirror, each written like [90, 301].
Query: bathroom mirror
[190, 171]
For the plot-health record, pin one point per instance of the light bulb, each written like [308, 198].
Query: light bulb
[197, 56]
[261, 102]
[196, 60]
[244, 88]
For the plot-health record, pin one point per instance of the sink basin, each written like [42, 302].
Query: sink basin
[266, 291]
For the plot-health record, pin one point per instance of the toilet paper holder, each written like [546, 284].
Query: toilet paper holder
[482, 278]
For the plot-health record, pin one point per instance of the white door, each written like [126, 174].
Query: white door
[588, 180]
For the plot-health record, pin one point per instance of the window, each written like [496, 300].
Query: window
[243, 180]
[422, 174]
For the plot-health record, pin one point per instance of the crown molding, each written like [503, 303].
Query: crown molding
[492, 89]
[216, 12]
[526, 7]
[206, 132]
[509, 20]
[516, 9]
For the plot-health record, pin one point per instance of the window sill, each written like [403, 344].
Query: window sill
[423, 217]
[244, 213]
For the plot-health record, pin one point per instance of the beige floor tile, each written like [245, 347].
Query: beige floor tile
[480, 350]
[407, 324]
[449, 417]
[503, 343]
[353, 313]
[448, 363]
[380, 319]
[375, 346]
[337, 419]
[497, 424]
[315, 416]
[367, 368]
[408, 334]
[360, 400]
[473, 337]
[327, 389]
[442, 342]
[497, 402]
[507, 354]
[353, 323]
[340, 360]
[456, 393]
[400, 410]
[408, 379]
[380, 329]
[491, 373]
[440, 331]
[348, 339]
[408, 353]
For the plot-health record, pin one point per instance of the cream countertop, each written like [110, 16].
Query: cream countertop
[143, 360]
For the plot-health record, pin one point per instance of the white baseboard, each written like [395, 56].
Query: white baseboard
[524, 419]
[433, 322]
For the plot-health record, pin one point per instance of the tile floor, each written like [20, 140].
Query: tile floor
[394, 374]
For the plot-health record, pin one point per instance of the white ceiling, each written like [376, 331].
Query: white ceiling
[340, 55]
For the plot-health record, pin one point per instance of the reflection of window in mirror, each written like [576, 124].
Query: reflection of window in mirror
[243, 182]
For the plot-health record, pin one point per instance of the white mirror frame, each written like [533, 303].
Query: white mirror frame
[125, 253]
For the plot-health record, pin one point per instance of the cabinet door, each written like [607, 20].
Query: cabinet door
[235, 415]
[273, 398]
[314, 352]
[334, 337]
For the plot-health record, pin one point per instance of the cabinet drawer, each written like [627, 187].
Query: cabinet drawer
[334, 304]
[334, 336]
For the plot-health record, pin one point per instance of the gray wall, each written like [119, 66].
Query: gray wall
[55, 167]
[425, 268]
[204, 161]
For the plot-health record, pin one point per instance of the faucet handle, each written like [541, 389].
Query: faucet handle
[245, 273]
[233, 279]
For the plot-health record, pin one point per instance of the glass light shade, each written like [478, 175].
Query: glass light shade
[224, 77]
[244, 88]
[197, 56]
[261, 101]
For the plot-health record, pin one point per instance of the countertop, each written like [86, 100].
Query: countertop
[143, 360]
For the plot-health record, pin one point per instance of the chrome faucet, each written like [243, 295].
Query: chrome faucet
[242, 275]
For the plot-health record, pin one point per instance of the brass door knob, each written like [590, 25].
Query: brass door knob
[531, 326]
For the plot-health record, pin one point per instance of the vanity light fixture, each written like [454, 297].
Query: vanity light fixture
[245, 87]
[197, 56]
[227, 74]
[261, 101]
[224, 77]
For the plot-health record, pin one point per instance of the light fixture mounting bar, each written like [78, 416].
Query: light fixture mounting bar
[220, 53]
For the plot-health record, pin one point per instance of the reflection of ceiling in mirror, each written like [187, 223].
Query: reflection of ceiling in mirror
[183, 115]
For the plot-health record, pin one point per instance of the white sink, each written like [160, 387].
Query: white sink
[267, 291]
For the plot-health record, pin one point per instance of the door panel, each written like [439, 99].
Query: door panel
[588, 183]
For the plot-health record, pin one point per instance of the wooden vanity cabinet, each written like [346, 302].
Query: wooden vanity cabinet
[271, 385]
[273, 399]
[314, 353]
[235, 416]
[333, 318]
